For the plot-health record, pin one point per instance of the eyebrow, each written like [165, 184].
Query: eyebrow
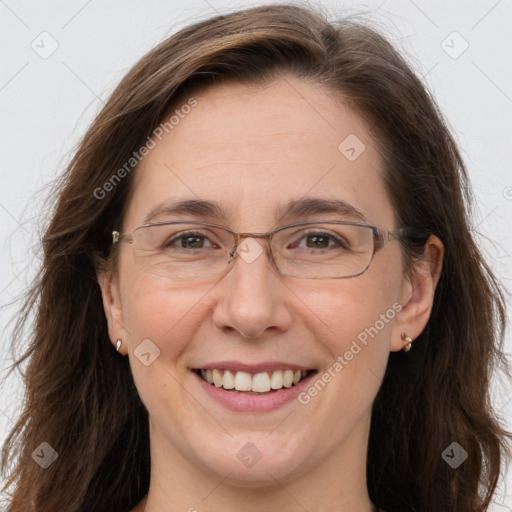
[296, 208]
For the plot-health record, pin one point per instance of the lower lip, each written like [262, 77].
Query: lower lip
[253, 403]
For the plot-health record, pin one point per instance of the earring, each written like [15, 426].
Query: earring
[409, 341]
[118, 344]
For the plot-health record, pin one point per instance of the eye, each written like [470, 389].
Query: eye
[315, 239]
[189, 240]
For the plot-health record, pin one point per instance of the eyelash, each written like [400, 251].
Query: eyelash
[187, 234]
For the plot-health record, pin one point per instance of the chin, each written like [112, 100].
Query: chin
[258, 462]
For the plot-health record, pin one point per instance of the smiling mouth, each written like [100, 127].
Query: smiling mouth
[258, 383]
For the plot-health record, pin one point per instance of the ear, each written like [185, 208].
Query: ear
[112, 306]
[417, 295]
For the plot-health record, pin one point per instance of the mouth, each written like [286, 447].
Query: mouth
[261, 383]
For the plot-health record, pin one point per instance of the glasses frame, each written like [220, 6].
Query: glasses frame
[381, 238]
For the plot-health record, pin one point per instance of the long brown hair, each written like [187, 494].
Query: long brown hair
[80, 396]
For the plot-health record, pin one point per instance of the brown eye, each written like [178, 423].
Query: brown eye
[190, 240]
[319, 240]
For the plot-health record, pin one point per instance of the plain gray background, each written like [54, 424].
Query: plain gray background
[461, 48]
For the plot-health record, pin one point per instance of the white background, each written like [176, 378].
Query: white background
[46, 105]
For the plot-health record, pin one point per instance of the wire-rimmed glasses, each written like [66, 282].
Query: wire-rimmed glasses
[182, 249]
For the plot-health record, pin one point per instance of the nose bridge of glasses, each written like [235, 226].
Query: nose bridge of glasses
[240, 237]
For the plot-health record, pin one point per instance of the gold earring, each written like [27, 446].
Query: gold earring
[409, 342]
[118, 344]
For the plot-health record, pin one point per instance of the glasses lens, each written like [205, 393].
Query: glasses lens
[324, 250]
[181, 251]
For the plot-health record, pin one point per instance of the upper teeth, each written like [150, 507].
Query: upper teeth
[259, 382]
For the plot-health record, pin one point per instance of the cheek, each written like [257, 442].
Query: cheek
[340, 311]
[162, 317]
[353, 319]
[168, 314]
[164, 312]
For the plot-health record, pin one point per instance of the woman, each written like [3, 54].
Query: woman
[260, 289]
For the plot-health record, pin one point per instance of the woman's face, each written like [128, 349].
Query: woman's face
[253, 150]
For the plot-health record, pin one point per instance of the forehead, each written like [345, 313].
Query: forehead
[253, 149]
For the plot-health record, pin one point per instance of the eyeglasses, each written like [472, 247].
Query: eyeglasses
[181, 250]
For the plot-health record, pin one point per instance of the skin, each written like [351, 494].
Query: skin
[251, 149]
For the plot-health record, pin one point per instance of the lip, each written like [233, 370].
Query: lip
[234, 366]
[239, 402]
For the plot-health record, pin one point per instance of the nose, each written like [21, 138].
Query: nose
[252, 297]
